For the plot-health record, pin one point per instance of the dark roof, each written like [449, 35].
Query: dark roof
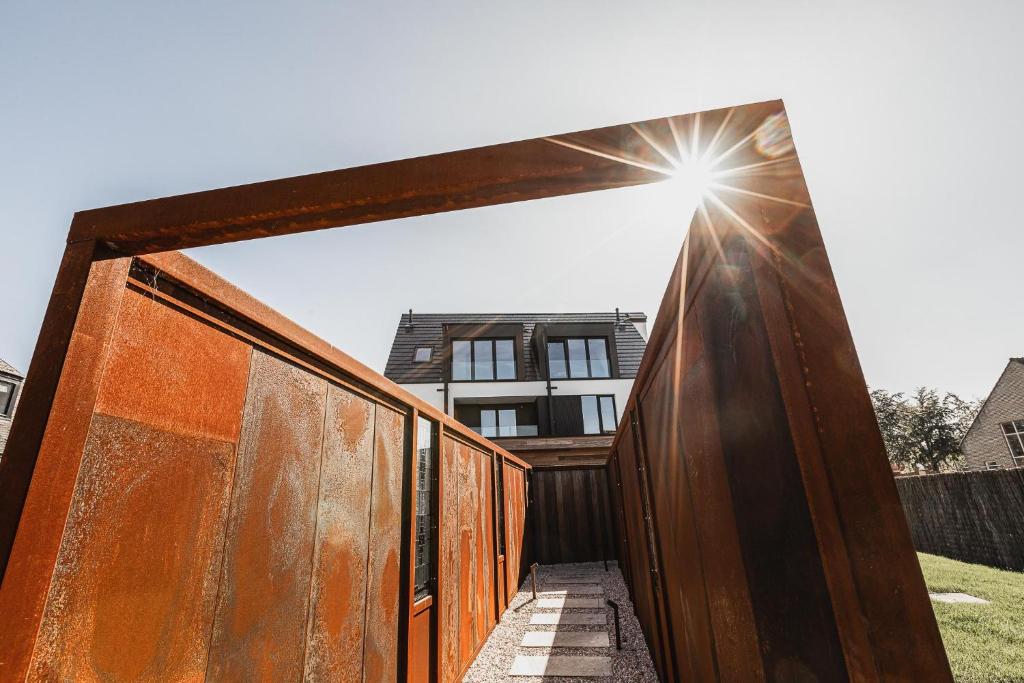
[427, 330]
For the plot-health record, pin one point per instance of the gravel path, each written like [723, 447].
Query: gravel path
[632, 663]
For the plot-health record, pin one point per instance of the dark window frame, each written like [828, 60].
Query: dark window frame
[427, 587]
[494, 359]
[603, 428]
[1013, 432]
[8, 409]
[586, 339]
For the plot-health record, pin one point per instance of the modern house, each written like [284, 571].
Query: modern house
[10, 386]
[995, 439]
[549, 387]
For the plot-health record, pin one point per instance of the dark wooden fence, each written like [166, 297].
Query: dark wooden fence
[570, 515]
[970, 516]
[235, 501]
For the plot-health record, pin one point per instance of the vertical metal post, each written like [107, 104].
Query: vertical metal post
[618, 631]
[533, 575]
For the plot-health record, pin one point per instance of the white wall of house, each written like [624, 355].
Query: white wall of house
[430, 393]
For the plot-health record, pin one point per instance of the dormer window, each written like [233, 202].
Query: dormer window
[483, 359]
[7, 390]
[578, 358]
[422, 354]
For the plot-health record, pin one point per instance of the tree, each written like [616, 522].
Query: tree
[925, 429]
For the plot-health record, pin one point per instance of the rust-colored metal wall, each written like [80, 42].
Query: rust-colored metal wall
[758, 523]
[239, 508]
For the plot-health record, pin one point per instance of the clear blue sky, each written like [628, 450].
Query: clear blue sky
[906, 117]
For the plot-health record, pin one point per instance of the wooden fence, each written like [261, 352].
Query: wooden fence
[970, 516]
[235, 502]
[569, 511]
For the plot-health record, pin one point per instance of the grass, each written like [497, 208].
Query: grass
[983, 642]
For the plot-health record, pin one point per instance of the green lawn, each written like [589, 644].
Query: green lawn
[984, 642]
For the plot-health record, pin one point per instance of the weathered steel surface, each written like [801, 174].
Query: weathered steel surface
[422, 640]
[380, 650]
[56, 463]
[53, 347]
[771, 500]
[174, 372]
[468, 502]
[260, 629]
[337, 610]
[484, 547]
[515, 525]
[135, 585]
[517, 171]
[448, 617]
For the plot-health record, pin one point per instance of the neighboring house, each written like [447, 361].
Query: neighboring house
[996, 437]
[10, 387]
[549, 387]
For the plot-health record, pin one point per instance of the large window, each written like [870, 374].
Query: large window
[1014, 433]
[6, 398]
[426, 521]
[578, 358]
[483, 359]
[499, 421]
[599, 414]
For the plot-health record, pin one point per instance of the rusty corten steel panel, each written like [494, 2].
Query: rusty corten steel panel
[174, 372]
[672, 508]
[334, 645]
[380, 649]
[484, 547]
[515, 525]
[47, 439]
[260, 627]
[135, 586]
[448, 563]
[468, 501]
[422, 644]
[731, 612]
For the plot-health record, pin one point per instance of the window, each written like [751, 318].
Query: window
[426, 522]
[598, 414]
[422, 354]
[483, 359]
[1014, 433]
[578, 358]
[6, 398]
[499, 421]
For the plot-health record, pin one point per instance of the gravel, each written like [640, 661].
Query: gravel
[632, 663]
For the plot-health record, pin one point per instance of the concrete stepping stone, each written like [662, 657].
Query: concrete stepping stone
[574, 589]
[569, 603]
[569, 619]
[554, 665]
[957, 598]
[565, 639]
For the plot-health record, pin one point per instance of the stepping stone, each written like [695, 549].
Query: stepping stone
[565, 639]
[581, 667]
[569, 603]
[574, 588]
[569, 619]
[957, 597]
